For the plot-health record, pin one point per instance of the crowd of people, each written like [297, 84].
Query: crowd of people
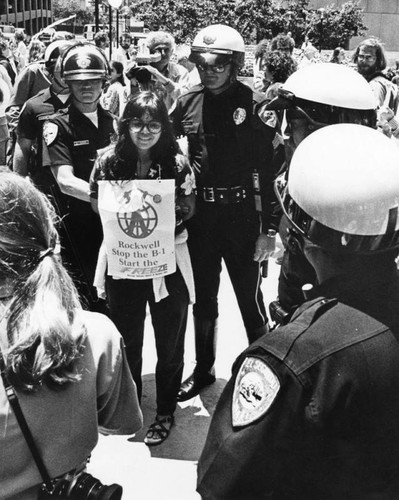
[125, 184]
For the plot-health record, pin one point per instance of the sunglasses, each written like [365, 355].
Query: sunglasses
[215, 68]
[136, 125]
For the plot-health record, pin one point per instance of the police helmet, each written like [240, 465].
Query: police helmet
[53, 52]
[218, 44]
[347, 201]
[84, 62]
[328, 93]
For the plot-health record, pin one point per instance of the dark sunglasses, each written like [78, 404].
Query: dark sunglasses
[215, 68]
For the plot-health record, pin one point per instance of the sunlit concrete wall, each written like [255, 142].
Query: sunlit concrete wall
[380, 16]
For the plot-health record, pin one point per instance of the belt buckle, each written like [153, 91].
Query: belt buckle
[209, 194]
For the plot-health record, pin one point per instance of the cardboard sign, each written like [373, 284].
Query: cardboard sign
[138, 219]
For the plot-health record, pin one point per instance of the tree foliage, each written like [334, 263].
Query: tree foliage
[254, 19]
[62, 10]
[338, 26]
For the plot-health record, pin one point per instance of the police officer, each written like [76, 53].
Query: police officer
[313, 97]
[71, 139]
[311, 410]
[230, 150]
[28, 148]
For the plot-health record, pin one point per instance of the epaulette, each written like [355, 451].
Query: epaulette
[279, 342]
[58, 113]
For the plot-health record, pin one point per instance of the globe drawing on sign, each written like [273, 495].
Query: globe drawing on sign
[140, 223]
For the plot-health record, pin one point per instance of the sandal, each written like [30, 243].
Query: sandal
[159, 430]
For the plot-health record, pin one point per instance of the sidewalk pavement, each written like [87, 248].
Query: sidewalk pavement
[168, 471]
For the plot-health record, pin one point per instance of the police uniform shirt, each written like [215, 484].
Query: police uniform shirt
[35, 111]
[227, 141]
[312, 408]
[74, 140]
[32, 79]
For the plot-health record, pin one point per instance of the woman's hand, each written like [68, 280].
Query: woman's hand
[186, 206]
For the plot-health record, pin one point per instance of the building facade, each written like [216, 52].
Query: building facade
[380, 16]
[33, 15]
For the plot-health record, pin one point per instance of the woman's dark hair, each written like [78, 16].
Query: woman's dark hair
[118, 67]
[335, 55]
[280, 64]
[4, 45]
[122, 164]
[44, 332]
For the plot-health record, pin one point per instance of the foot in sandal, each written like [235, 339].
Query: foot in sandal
[159, 430]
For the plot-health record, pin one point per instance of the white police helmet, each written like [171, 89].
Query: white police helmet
[327, 83]
[346, 200]
[217, 44]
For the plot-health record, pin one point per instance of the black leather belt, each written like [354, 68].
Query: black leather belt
[223, 196]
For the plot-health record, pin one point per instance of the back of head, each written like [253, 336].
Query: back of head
[100, 38]
[4, 45]
[348, 202]
[19, 36]
[42, 298]
[279, 64]
[283, 42]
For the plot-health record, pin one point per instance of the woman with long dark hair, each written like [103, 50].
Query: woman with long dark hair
[146, 149]
[66, 365]
[115, 97]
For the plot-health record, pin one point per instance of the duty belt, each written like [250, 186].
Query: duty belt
[223, 196]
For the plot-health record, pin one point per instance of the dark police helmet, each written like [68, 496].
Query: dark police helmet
[84, 62]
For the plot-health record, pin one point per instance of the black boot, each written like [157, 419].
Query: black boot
[205, 348]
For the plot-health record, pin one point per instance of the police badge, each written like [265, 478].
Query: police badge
[239, 116]
[50, 131]
[255, 389]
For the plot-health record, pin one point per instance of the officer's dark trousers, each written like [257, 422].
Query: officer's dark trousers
[127, 300]
[81, 237]
[227, 232]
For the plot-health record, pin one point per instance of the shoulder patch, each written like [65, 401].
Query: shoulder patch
[255, 389]
[50, 132]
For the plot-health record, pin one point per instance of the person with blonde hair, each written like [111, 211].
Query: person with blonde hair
[36, 50]
[168, 79]
[67, 366]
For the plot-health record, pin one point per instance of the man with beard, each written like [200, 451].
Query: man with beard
[371, 61]
[122, 54]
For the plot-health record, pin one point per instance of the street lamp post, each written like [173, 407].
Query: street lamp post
[289, 15]
[323, 14]
[96, 14]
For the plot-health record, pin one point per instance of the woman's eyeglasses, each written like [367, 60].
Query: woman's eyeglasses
[136, 125]
[215, 68]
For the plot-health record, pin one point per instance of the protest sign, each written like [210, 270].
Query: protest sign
[138, 219]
